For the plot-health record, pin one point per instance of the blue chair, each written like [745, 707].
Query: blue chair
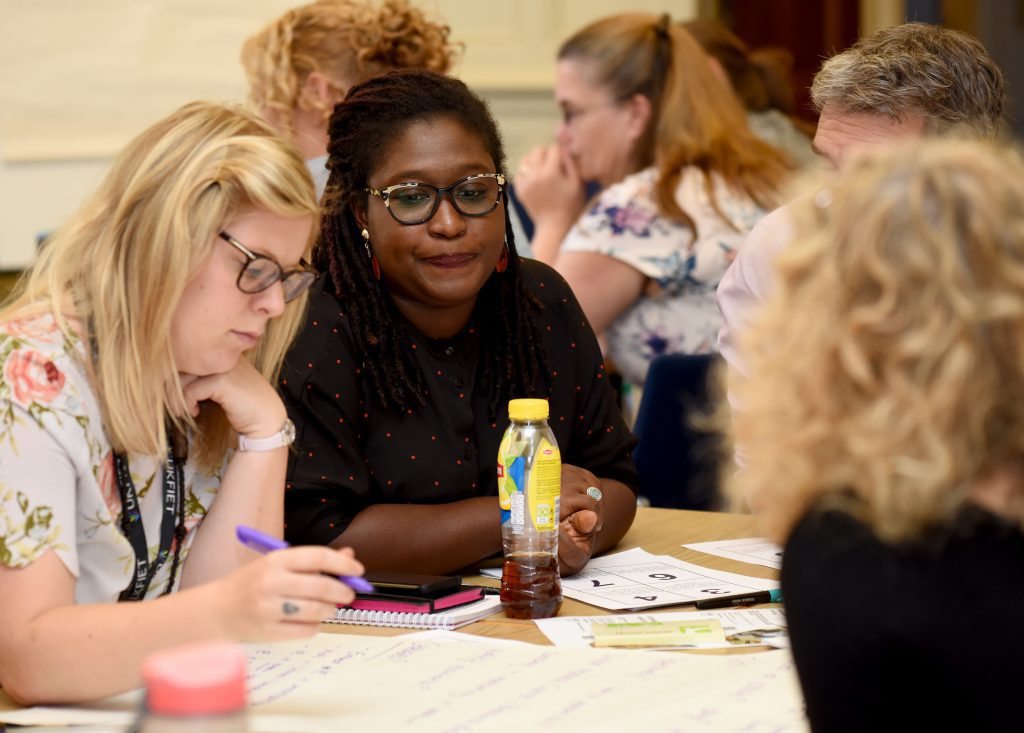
[677, 461]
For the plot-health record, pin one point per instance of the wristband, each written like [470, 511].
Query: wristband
[283, 437]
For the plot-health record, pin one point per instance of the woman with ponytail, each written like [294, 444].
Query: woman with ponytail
[683, 177]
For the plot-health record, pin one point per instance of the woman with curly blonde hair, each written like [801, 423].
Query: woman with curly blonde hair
[884, 427]
[302, 64]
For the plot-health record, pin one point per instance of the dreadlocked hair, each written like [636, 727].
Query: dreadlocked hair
[373, 115]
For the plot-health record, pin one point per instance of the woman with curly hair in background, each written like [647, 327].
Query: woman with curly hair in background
[302, 64]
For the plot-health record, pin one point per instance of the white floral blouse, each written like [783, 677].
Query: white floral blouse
[678, 312]
[58, 489]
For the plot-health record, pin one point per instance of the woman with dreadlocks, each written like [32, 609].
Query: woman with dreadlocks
[424, 325]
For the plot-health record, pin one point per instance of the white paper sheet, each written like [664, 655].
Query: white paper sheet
[755, 550]
[338, 682]
[575, 631]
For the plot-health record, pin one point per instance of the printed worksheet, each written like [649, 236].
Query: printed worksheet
[756, 550]
[635, 580]
[748, 627]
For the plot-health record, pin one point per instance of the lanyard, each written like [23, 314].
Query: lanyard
[171, 524]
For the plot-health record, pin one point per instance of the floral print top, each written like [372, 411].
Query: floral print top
[678, 312]
[58, 489]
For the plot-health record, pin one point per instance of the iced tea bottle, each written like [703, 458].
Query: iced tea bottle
[529, 492]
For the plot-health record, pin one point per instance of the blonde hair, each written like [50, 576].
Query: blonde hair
[346, 40]
[886, 370]
[120, 264]
[697, 120]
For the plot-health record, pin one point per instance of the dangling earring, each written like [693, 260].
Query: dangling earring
[503, 259]
[374, 265]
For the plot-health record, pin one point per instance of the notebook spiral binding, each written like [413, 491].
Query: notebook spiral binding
[393, 619]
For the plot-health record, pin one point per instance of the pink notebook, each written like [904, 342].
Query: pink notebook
[413, 604]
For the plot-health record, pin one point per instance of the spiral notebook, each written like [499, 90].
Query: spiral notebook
[448, 620]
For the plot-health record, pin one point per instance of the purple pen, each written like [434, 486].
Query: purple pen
[264, 543]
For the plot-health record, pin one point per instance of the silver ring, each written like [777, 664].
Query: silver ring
[595, 493]
[289, 608]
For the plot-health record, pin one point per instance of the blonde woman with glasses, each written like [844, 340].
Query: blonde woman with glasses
[883, 422]
[138, 424]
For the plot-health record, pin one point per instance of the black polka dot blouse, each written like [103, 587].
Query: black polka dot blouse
[351, 453]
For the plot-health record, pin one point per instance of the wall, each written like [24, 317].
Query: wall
[78, 79]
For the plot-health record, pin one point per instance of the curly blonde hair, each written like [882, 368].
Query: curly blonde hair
[886, 371]
[347, 41]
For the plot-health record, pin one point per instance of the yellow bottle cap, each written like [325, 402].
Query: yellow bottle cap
[528, 409]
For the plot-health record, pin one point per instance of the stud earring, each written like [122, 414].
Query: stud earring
[374, 265]
[502, 259]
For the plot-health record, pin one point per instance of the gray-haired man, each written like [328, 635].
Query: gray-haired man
[903, 81]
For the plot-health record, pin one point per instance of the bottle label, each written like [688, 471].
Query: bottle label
[545, 486]
[511, 479]
[536, 495]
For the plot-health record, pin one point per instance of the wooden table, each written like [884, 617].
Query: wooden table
[658, 531]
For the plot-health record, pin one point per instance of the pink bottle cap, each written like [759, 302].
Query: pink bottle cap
[199, 679]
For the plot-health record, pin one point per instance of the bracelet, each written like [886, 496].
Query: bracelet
[283, 437]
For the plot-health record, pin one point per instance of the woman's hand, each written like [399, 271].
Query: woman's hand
[250, 403]
[286, 594]
[549, 187]
[251, 489]
[582, 517]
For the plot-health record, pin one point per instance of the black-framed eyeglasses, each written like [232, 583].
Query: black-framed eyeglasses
[259, 273]
[415, 203]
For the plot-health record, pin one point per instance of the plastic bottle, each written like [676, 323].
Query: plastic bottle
[200, 688]
[529, 491]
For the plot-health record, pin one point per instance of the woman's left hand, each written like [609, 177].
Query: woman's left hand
[582, 516]
[252, 406]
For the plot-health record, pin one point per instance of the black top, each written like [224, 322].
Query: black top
[350, 453]
[924, 637]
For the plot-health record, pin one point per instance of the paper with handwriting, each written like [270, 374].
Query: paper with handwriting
[338, 682]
